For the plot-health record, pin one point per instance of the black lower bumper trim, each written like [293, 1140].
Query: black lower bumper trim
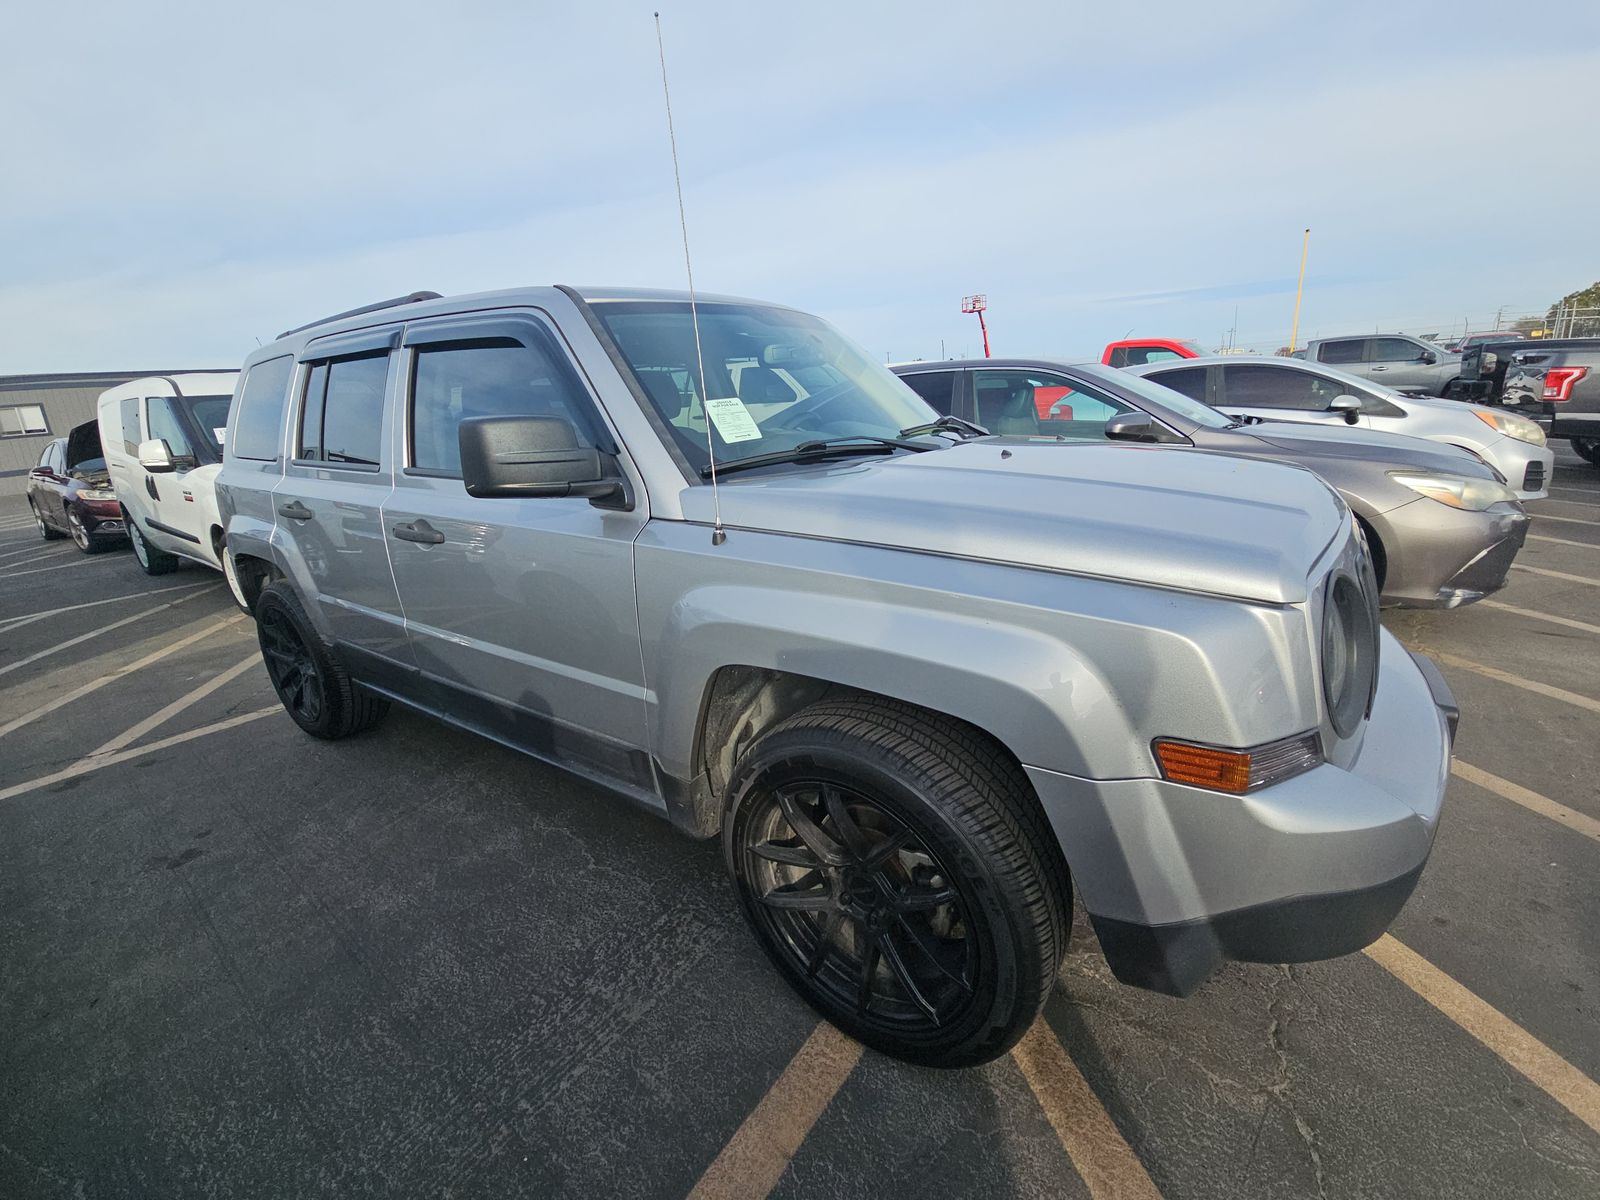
[1175, 959]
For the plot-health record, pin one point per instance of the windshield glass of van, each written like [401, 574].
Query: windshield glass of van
[774, 378]
[210, 414]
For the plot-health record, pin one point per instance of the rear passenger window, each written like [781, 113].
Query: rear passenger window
[259, 423]
[342, 418]
[1347, 351]
[938, 388]
[130, 426]
[488, 377]
[1191, 381]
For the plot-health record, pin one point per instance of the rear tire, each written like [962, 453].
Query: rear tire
[154, 561]
[48, 533]
[899, 872]
[1587, 449]
[307, 672]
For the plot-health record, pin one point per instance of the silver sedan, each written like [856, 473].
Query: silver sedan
[1287, 389]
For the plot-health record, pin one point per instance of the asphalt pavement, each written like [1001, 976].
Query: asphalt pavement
[235, 961]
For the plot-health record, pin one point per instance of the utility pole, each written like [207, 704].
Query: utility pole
[1294, 331]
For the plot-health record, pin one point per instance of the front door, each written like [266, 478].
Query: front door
[173, 508]
[520, 610]
[1285, 394]
[330, 500]
[1397, 363]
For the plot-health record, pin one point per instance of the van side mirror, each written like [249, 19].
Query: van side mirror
[531, 456]
[155, 456]
[1134, 427]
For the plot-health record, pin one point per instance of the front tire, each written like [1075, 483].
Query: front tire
[154, 560]
[898, 871]
[307, 672]
[1587, 449]
[81, 537]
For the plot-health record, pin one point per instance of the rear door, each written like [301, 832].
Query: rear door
[46, 482]
[330, 499]
[1281, 393]
[520, 610]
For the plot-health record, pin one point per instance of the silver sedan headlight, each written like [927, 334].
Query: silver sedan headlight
[1473, 495]
[1511, 425]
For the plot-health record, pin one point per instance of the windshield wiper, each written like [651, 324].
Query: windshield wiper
[825, 448]
[947, 423]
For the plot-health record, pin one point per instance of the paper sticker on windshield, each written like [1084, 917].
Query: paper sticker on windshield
[220, 434]
[732, 419]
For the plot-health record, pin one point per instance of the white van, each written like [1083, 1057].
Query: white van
[162, 439]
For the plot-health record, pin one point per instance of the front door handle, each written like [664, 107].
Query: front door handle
[295, 511]
[418, 531]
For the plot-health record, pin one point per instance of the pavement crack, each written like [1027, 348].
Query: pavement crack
[1282, 1089]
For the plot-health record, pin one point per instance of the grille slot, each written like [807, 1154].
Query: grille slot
[1533, 477]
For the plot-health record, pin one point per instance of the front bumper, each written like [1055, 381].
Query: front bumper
[1442, 557]
[1178, 879]
[1525, 466]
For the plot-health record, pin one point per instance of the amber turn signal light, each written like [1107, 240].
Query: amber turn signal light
[1204, 766]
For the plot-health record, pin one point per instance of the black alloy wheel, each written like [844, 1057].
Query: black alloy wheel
[862, 906]
[898, 870]
[291, 668]
[307, 670]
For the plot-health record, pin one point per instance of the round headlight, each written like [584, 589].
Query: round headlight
[1349, 653]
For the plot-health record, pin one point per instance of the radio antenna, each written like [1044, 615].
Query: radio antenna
[718, 534]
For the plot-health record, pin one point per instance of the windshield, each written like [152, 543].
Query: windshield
[210, 414]
[1175, 401]
[774, 378]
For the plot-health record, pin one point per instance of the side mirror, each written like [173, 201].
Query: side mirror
[530, 456]
[1429, 357]
[155, 456]
[1347, 404]
[1133, 427]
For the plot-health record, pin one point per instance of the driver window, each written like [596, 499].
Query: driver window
[1033, 403]
[161, 419]
[1389, 349]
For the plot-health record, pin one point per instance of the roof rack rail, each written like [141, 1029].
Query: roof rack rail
[413, 298]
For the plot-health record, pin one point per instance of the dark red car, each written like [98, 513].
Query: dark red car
[70, 492]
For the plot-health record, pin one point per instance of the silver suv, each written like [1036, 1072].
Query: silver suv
[922, 680]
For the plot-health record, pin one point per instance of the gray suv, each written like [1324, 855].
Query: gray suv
[1396, 360]
[921, 680]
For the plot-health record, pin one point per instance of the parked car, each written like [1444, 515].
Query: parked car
[924, 682]
[163, 443]
[1442, 527]
[1289, 390]
[69, 492]
[1564, 377]
[1131, 353]
[1396, 360]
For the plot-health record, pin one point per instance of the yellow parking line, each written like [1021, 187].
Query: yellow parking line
[1534, 537]
[751, 1164]
[1533, 614]
[1556, 574]
[1542, 1066]
[1531, 800]
[1527, 685]
[1101, 1155]
[84, 765]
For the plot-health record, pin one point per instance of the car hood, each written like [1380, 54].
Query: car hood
[1154, 515]
[1329, 442]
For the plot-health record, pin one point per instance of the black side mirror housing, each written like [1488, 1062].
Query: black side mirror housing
[532, 456]
[1347, 404]
[1134, 427]
[1429, 357]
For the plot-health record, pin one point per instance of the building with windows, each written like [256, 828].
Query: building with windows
[36, 409]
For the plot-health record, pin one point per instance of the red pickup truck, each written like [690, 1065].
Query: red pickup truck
[1137, 351]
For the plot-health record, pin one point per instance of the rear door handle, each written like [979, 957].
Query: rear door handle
[418, 531]
[295, 511]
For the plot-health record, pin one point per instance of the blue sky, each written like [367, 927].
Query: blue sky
[184, 179]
